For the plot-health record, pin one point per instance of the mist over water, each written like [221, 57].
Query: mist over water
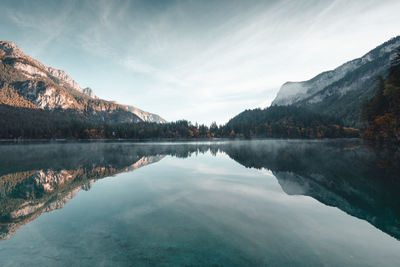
[270, 202]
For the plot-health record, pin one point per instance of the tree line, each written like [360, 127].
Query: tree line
[276, 121]
[381, 113]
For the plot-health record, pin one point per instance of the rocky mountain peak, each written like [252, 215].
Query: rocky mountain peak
[63, 76]
[32, 66]
[89, 91]
[10, 49]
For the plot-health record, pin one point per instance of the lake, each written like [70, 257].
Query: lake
[228, 203]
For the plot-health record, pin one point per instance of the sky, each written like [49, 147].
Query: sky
[200, 60]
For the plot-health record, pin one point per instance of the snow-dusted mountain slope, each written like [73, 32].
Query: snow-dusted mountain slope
[341, 91]
[313, 90]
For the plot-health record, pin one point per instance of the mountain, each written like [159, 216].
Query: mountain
[340, 92]
[27, 83]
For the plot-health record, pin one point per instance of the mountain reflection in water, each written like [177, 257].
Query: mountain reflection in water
[363, 182]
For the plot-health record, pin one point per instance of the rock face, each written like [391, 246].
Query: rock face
[89, 92]
[25, 82]
[64, 78]
[145, 116]
[10, 49]
[34, 68]
[339, 92]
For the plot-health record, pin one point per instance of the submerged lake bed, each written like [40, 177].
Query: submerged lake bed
[229, 203]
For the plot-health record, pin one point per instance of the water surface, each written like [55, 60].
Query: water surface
[272, 202]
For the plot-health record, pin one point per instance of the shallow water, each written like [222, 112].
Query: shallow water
[272, 202]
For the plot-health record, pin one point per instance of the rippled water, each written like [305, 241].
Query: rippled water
[272, 202]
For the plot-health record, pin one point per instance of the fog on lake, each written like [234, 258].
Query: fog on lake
[231, 203]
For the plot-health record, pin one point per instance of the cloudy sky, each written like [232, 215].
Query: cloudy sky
[202, 60]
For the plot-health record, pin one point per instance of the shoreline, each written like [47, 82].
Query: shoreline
[172, 140]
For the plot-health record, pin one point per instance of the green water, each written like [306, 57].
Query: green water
[243, 203]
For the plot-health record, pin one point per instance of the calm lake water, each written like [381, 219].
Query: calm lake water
[242, 203]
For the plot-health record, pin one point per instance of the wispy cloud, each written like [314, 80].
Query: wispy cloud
[153, 72]
[45, 27]
[205, 61]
